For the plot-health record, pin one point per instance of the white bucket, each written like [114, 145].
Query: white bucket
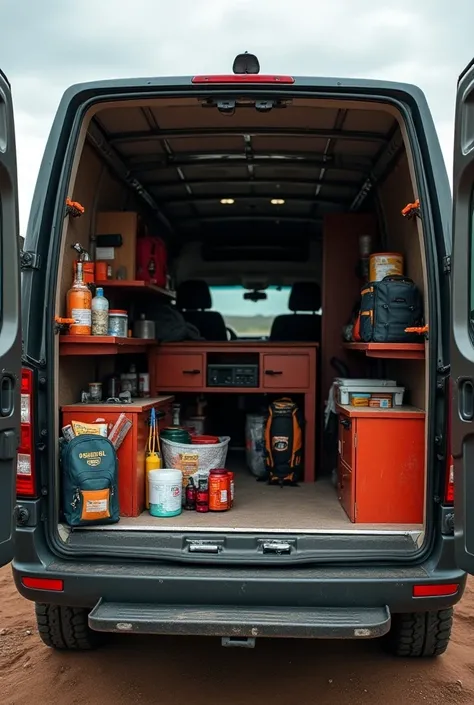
[165, 491]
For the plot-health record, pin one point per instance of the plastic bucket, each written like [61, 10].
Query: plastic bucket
[382, 264]
[165, 491]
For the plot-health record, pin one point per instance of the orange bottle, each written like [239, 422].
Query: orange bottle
[79, 304]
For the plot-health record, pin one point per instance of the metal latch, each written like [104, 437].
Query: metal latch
[29, 260]
[203, 547]
[278, 547]
[447, 264]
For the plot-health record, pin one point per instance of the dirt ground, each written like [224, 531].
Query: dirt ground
[173, 671]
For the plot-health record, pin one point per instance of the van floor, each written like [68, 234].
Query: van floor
[311, 507]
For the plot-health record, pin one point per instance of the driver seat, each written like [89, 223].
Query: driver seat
[193, 299]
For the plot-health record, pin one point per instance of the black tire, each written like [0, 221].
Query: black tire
[421, 634]
[66, 628]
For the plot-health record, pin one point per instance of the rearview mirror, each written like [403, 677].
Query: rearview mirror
[255, 296]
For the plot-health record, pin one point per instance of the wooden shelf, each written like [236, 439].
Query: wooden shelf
[136, 285]
[400, 351]
[101, 345]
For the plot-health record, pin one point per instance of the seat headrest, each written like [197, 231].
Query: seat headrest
[193, 294]
[305, 296]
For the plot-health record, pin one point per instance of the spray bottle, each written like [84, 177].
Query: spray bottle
[153, 455]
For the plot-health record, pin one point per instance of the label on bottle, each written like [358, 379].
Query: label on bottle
[82, 316]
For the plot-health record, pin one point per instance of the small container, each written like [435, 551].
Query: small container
[100, 313]
[144, 385]
[88, 269]
[113, 387]
[101, 271]
[231, 489]
[219, 490]
[204, 440]
[202, 496]
[109, 272]
[176, 414]
[165, 491]
[190, 495]
[95, 391]
[133, 376]
[118, 323]
[144, 329]
[383, 264]
[198, 423]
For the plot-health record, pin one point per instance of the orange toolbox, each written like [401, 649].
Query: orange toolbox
[131, 454]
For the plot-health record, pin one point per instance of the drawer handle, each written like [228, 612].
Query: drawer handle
[346, 423]
[273, 372]
[191, 372]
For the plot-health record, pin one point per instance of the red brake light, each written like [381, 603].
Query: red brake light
[435, 590]
[53, 584]
[243, 78]
[25, 467]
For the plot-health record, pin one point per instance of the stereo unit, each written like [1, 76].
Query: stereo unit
[232, 375]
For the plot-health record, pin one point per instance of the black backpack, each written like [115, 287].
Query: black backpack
[89, 481]
[283, 442]
[388, 307]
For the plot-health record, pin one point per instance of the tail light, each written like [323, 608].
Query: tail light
[243, 78]
[449, 482]
[25, 469]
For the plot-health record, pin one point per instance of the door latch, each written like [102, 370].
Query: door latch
[278, 548]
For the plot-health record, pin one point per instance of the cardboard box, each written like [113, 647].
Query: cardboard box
[124, 223]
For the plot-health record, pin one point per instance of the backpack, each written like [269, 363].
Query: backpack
[89, 487]
[389, 306]
[283, 442]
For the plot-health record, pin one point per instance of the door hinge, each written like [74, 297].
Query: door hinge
[29, 260]
[447, 264]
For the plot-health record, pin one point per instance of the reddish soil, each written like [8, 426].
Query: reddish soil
[174, 671]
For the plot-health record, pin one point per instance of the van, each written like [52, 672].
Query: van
[267, 203]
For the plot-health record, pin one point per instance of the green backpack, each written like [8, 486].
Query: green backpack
[90, 474]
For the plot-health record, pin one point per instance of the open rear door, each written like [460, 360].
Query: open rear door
[10, 329]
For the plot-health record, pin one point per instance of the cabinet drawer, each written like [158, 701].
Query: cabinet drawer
[175, 371]
[345, 489]
[286, 371]
[346, 440]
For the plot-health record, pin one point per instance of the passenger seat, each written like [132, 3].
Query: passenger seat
[300, 327]
[193, 299]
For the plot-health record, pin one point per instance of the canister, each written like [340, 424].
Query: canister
[118, 323]
[219, 490]
[165, 490]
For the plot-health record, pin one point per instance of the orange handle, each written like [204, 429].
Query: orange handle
[421, 330]
[411, 208]
[74, 208]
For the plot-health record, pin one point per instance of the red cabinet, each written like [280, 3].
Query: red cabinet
[184, 370]
[381, 477]
[286, 371]
[131, 454]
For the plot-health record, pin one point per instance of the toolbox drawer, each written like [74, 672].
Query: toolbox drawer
[346, 440]
[346, 488]
[178, 371]
[286, 372]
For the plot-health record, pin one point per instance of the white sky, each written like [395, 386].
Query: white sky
[47, 45]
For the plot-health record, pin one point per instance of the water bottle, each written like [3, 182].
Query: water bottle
[100, 313]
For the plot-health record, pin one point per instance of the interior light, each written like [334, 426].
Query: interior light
[277, 201]
[227, 201]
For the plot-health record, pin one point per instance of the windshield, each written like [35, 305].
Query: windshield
[250, 319]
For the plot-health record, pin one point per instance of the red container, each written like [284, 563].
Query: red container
[88, 271]
[204, 440]
[152, 260]
[219, 490]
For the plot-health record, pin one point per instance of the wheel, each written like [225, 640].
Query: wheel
[420, 634]
[66, 628]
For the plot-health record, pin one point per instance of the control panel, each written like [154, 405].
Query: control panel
[232, 375]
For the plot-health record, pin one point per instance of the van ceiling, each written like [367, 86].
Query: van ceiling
[187, 155]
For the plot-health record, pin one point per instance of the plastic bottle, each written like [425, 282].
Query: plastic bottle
[79, 304]
[190, 496]
[100, 313]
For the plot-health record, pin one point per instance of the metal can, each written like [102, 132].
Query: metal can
[219, 490]
[231, 489]
[95, 391]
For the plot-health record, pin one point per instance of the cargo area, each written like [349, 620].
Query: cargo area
[232, 243]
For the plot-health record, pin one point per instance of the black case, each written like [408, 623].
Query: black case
[387, 308]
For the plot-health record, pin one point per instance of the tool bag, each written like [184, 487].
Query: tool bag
[283, 442]
[152, 260]
[388, 307]
[89, 488]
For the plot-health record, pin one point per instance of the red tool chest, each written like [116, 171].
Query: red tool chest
[381, 461]
[131, 454]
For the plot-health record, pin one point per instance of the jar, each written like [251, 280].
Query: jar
[219, 490]
[95, 391]
[144, 385]
[118, 323]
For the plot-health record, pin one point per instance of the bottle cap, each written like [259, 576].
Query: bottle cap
[99, 291]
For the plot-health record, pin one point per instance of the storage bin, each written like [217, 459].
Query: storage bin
[345, 393]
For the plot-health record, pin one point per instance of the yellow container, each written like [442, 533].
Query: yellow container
[382, 264]
[152, 462]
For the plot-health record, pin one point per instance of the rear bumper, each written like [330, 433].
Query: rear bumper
[309, 623]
